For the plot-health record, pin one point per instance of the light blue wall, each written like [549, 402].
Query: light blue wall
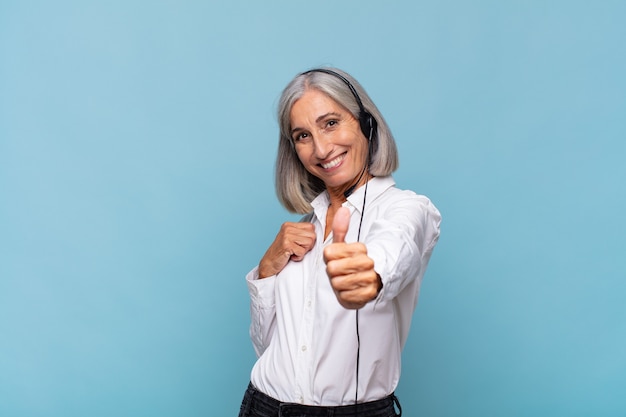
[137, 145]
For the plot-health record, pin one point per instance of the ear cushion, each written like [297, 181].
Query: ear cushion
[368, 124]
[366, 121]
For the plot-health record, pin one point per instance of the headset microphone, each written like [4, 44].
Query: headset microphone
[351, 189]
[372, 125]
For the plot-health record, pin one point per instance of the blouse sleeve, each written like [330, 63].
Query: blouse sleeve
[401, 241]
[262, 310]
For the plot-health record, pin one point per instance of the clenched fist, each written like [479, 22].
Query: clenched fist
[293, 241]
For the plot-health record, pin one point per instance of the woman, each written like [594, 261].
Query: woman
[330, 318]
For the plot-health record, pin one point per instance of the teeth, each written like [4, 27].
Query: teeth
[333, 163]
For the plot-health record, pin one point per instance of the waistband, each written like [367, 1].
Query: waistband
[379, 408]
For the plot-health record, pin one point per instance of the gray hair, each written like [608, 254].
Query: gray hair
[295, 186]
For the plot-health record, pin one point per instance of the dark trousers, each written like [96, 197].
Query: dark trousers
[257, 404]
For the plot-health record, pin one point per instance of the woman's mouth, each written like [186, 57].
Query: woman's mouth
[334, 162]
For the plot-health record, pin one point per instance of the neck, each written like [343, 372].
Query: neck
[338, 195]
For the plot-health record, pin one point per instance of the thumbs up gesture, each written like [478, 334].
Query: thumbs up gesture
[350, 270]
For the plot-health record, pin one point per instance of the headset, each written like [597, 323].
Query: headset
[367, 122]
[369, 127]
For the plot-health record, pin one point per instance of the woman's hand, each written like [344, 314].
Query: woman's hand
[293, 241]
[350, 270]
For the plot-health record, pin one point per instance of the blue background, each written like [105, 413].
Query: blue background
[137, 144]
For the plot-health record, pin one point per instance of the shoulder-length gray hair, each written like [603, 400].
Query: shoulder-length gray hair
[295, 186]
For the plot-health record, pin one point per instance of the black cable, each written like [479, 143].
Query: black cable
[358, 354]
[358, 239]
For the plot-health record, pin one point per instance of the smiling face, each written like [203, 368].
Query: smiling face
[328, 140]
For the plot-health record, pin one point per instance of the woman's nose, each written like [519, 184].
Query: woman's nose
[322, 146]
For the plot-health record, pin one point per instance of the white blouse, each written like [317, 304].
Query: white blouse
[306, 341]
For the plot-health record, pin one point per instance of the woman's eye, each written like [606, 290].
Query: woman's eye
[331, 123]
[300, 137]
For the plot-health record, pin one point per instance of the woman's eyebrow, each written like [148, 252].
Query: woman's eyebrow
[324, 116]
[295, 129]
[319, 119]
